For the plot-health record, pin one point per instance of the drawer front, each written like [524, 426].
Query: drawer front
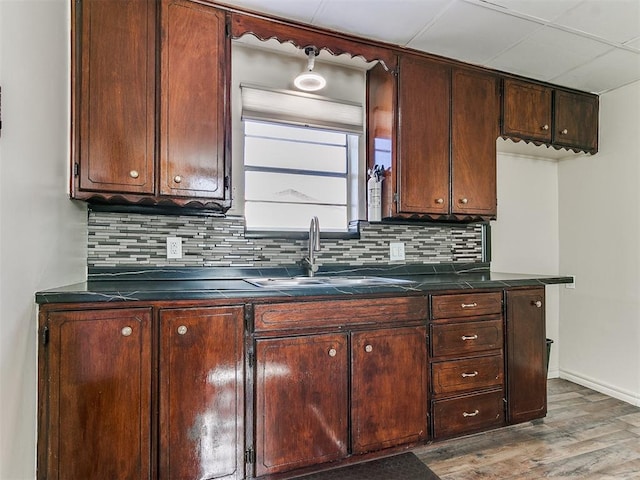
[471, 374]
[326, 313]
[466, 337]
[467, 414]
[465, 305]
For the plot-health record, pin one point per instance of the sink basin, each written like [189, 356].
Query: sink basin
[288, 282]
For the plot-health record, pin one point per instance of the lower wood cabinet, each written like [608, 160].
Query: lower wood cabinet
[304, 410]
[107, 375]
[526, 355]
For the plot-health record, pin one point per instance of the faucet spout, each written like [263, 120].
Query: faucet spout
[314, 246]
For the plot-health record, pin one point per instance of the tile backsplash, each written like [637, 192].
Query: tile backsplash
[132, 239]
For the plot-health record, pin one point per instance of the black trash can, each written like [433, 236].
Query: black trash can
[549, 342]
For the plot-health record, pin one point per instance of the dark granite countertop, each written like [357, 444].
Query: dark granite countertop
[208, 283]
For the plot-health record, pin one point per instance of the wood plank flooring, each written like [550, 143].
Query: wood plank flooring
[586, 435]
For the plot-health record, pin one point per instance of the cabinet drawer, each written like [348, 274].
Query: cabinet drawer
[466, 305]
[326, 313]
[470, 374]
[466, 337]
[467, 414]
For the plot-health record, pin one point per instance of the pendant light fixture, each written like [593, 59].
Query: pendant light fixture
[310, 81]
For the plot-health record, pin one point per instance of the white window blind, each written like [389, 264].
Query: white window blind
[299, 108]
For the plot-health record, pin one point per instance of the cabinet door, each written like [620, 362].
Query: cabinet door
[526, 111]
[389, 388]
[193, 100]
[301, 401]
[474, 130]
[99, 374]
[526, 355]
[114, 96]
[423, 136]
[201, 393]
[576, 120]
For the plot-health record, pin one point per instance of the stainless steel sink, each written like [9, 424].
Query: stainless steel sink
[289, 282]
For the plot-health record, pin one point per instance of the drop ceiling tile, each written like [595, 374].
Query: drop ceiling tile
[294, 9]
[472, 33]
[547, 53]
[395, 21]
[612, 70]
[617, 21]
[546, 10]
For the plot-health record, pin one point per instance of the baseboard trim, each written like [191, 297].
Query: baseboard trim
[593, 384]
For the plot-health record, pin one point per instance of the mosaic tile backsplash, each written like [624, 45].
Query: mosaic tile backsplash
[132, 239]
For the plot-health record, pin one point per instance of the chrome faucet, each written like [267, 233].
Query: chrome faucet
[314, 246]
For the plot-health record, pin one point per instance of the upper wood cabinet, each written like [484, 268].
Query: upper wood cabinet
[151, 103]
[442, 131]
[475, 117]
[575, 120]
[556, 117]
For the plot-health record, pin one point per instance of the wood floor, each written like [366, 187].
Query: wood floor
[585, 435]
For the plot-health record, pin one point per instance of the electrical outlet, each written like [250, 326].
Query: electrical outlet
[396, 251]
[572, 284]
[174, 247]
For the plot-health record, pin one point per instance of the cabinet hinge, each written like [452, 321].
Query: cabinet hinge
[76, 169]
[227, 181]
[248, 317]
[44, 335]
[251, 359]
[249, 456]
[396, 197]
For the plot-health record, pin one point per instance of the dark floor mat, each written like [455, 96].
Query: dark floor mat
[399, 467]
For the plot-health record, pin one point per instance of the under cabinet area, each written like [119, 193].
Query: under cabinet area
[141, 393]
[322, 397]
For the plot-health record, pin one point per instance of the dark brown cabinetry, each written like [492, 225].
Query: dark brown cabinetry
[128, 149]
[316, 392]
[467, 363]
[526, 355]
[443, 154]
[97, 394]
[301, 401]
[556, 117]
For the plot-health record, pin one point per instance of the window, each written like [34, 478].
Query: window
[293, 173]
[301, 159]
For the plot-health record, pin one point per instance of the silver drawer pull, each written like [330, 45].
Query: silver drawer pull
[474, 374]
[469, 305]
[472, 414]
[469, 337]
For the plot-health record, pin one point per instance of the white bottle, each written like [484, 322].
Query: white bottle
[374, 198]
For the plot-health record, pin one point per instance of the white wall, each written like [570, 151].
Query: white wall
[600, 244]
[42, 232]
[525, 236]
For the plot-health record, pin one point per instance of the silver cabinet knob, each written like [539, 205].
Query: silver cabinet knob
[545, 127]
[182, 330]
[464, 201]
[177, 179]
[333, 352]
[537, 303]
[134, 174]
[439, 201]
[368, 348]
[564, 131]
[126, 331]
